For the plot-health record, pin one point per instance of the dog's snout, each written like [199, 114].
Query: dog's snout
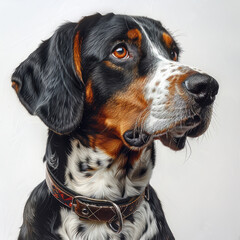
[202, 87]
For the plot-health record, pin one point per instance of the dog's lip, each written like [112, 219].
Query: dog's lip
[180, 129]
[178, 133]
[183, 128]
[175, 137]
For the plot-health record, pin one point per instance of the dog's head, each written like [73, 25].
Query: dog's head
[118, 80]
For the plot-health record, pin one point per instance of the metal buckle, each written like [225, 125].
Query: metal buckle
[117, 228]
[112, 225]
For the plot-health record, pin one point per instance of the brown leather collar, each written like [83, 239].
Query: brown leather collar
[95, 209]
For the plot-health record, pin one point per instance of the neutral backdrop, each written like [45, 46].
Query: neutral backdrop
[200, 186]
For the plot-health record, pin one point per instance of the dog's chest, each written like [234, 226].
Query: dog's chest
[140, 226]
[94, 174]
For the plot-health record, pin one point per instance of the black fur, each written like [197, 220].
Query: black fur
[156, 207]
[48, 84]
[41, 215]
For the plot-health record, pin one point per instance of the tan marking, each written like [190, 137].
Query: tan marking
[107, 142]
[77, 54]
[167, 40]
[113, 66]
[119, 114]
[135, 35]
[176, 86]
[15, 86]
[89, 92]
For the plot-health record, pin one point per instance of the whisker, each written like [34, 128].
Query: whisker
[187, 158]
[139, 121]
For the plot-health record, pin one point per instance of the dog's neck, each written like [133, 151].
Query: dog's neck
[93, 173]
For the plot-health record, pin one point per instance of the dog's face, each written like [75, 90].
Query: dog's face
[122, 75]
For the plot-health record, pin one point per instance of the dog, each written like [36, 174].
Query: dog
[107, 87]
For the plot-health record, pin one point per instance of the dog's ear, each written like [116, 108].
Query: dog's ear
[49, 82]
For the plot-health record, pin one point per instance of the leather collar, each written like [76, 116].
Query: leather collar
[111, 212]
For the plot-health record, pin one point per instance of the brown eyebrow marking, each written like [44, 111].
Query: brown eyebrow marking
[89, 92]
[167, 40]
[135, 35]
[113, 66]
[77, 54]
[15, 86]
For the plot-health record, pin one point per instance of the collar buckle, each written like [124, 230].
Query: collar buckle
[86, 212]
[113, 225]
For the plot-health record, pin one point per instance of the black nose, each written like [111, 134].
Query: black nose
[202, 88]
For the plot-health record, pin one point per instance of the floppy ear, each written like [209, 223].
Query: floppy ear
[49, 82]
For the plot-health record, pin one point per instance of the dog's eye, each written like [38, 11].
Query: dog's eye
[120, 52]
[174, 55]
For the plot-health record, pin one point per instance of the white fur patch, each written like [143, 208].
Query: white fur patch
[105, 182]
[157, 90]
[108, 183]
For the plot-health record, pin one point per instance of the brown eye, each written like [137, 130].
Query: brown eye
[120, 52]
[174, 55]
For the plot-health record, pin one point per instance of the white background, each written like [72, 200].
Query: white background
[200, 186]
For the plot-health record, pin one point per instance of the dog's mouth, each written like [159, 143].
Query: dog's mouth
[173, 137]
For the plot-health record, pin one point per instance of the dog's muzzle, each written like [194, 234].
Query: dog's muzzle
[188, 115]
